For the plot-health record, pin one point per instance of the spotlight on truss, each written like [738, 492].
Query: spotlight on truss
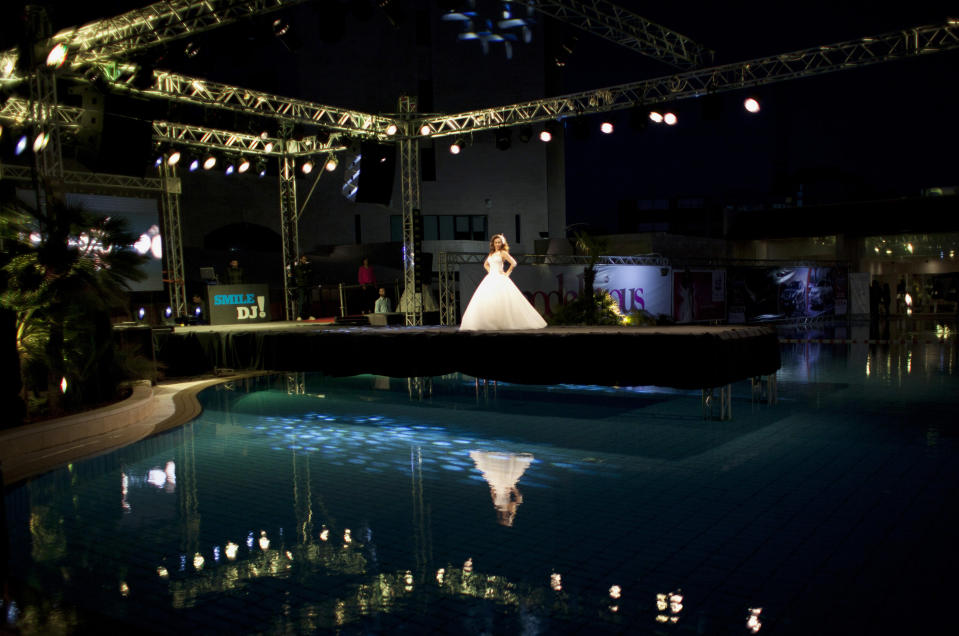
[331, 164]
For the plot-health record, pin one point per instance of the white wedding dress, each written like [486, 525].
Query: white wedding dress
[498, 304]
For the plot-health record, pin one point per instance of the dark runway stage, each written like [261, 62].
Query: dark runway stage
[686, 357]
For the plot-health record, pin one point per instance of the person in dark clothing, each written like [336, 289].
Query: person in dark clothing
[875, 293]
[234, 273]
[901, 296]
[303, 278]
[198, 311]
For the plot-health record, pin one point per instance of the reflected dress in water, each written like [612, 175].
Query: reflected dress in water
[498, 304]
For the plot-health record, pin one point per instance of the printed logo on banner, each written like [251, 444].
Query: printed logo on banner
[248, 306]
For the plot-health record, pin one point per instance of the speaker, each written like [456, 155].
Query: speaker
[377, 168]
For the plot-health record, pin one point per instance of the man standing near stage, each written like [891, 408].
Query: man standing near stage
[303, 278]
[234, 273]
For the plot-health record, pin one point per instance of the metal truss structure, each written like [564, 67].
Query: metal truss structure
[614, 23]
[809, 62]
[87, 180]
[242, 143]
[20, 112]
[289, 232]
[449, 262]
[200, 92]
[172, 237]
[140, 29]
[107, 40]
[410, 192]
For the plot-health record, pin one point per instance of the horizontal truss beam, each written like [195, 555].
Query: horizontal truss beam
[87, 179]
[625, 28]
[818, 60]
[242, 143]
[157, 23]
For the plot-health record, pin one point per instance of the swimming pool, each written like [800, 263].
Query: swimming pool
[300, 503]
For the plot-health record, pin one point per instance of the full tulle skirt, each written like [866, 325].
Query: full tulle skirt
[498, 304]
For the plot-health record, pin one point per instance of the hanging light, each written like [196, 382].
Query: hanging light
[456, 147]
[391, 129]
[173, 158]
[670, 119]
[655, 117]
[307, 166]
[230, 168]
[261, 167]
[57, 56]
[209, 162]
[606, 127]
[243, 166]
[40, 142]
[751, 104]
[21, 145]
[331, 164]
[425, 130]
[194, 165]
[545, 135]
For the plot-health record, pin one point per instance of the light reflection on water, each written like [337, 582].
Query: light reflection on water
[304, 504]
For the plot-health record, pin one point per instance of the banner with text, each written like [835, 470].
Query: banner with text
[635, 287]
[238, 304]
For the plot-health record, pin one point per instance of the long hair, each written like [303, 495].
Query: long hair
[492, 248]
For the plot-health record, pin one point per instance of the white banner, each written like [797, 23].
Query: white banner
[635, 287]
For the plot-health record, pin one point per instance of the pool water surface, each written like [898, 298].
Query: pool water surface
[300, 503]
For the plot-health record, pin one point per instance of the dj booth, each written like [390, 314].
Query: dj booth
[238, 304]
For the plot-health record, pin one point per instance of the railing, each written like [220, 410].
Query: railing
[356, 294]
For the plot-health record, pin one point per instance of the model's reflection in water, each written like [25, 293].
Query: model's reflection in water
[502, 471]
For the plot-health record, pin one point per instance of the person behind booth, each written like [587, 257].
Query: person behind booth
[303, 278]
[383, 304]
[234, 273]
[198, 311]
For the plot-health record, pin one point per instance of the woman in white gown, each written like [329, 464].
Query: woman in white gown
[497, 303]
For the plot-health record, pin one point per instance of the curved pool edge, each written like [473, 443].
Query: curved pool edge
[33, 449]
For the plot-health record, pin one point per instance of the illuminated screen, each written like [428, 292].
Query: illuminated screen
[143, 221]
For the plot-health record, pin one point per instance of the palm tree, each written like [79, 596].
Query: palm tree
[592, 247]
[68, 271]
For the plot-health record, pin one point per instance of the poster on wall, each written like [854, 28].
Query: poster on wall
[776, 293]
[699, 295]
[634, 287]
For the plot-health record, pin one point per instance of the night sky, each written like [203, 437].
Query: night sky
[880, 132]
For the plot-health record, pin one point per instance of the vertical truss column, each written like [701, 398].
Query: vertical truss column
[173, 238]
[410, 187]
[447, 291]
[289, 231]
[43, 110]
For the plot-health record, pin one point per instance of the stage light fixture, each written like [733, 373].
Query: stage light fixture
[670, 119]
[655, 117]
[158, 162]
[194, 165]
[243, 165]
[209, 162]
[331, 164]
[173, 157]
[264, 135]
[504, 138]
[425, 130]
[525, 133]
[57, 56]
[545, 135]
[191, 50]
[280, 27]
[40, 141]
[141, 313]
[230, 168]
[307, 166]
[391, 129]
[261, 167]
[606, 127]
[268, 146]
[456, 147]
[21, 145]
[751, 104]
